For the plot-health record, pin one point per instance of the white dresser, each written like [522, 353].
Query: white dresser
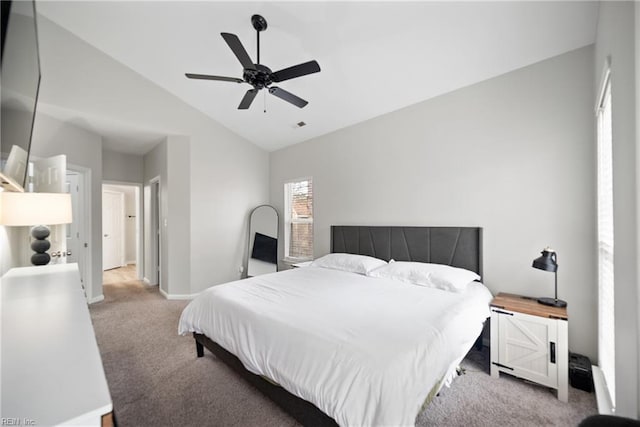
[51, 370]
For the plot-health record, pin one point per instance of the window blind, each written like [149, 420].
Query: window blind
[299, 219]
[606, 319]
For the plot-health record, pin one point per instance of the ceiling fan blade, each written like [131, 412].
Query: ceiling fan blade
[248, 99]
[236, 46]
[208, 77]
[287, 96]
[296, 71]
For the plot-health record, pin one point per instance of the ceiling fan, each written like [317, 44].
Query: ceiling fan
[260, 76]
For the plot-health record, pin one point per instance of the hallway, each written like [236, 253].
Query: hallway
[119, 275]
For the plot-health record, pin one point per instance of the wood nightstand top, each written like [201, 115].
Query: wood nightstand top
[528, 305]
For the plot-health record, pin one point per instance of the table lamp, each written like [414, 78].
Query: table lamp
[549, 262]
[35, 209]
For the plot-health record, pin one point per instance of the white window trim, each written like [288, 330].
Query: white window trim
[288, 220]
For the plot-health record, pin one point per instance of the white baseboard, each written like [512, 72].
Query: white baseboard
[131, 262]
[96, 299]
[177, 296]
[605, 407]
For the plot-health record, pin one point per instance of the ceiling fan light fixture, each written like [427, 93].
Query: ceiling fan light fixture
[260, 76]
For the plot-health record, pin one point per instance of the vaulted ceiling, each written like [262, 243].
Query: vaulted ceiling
[376, 57]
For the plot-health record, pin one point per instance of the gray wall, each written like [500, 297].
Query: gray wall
[615, 40]
[514, 154]
[155, 166]
[178, 225]
[122, 167]
[168, 161]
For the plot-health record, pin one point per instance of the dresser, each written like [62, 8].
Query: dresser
[51, 370]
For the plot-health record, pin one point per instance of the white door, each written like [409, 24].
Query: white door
[112, 229]
[49, 176]
[74, 230]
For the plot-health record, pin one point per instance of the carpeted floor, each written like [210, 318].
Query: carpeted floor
[155, 378]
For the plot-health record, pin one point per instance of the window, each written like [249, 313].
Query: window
[298, 231]
[606, 330]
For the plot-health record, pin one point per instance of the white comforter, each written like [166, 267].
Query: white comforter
[366, 351]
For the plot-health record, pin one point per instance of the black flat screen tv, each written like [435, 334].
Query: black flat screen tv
[19, 85]
[265, 248]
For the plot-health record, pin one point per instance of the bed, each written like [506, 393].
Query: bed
[336, 347]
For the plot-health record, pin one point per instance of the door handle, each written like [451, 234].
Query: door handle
[552, 352]
[106, 235]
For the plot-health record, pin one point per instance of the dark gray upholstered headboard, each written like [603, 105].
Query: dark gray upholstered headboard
[455, 246]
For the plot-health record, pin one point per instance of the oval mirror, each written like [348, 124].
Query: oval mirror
[263, 241]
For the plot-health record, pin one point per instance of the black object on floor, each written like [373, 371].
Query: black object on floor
[580, 375]
[608, 421]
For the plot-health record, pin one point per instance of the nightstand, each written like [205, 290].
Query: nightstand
[530, 341]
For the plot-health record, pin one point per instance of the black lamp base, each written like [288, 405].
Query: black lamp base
[552, 301]
[40, 245]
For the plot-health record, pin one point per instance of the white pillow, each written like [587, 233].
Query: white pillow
[360, 264]
[437, 276]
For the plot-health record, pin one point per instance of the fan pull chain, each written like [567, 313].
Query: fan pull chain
[265, 101]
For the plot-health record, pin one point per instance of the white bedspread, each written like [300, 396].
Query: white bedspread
[366, 351]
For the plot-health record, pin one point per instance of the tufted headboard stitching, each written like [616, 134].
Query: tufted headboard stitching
[455, 246]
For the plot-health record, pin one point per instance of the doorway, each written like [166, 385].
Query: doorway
[113, 232]
[121, 242]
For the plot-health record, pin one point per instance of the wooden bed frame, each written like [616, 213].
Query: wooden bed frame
[455, 246]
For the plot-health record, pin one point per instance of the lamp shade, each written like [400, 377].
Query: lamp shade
[27, 209]
[546, 262]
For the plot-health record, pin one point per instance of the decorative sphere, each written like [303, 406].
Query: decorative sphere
[40, 246]
[40, 232]
[40, 259]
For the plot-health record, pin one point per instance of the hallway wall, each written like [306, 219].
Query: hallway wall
[122, 167]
